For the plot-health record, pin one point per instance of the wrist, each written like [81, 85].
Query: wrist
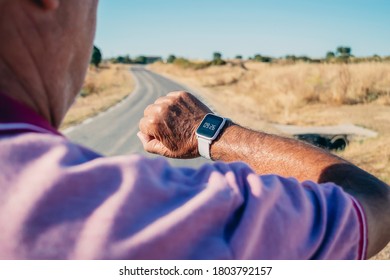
[221, 148]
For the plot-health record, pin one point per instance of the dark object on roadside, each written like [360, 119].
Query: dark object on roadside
[327, 142]
[97, 56]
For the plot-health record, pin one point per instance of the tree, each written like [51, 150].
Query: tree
[291, 57]
[217, 56]
[266, 59]
[257, 57]
[330, 55]
[376, 57]
[127, 59]
[304, 58]
[122, 59]
[140, 60]
[119, 59]
[238, 56]
[171, 59]
[217, 59]
[96, 58]
[260, 58]
[344, 52]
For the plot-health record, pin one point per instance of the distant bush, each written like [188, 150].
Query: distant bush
[171, 58]
[293, 58]
[127, 60]
[344, 52]
[217, 56]
[341, 55]
[185, 63]
[217, 59]
[330, 56]
[218, 62]
[89, 88]
[119, 59]
[140, 60]
[260, 58]
[122, 60]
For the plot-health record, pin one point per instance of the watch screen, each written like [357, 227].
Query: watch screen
[209, 126]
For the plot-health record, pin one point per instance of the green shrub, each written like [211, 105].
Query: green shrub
[185, 63]
[171, 59]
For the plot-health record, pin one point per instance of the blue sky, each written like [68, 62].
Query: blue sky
[197, 28]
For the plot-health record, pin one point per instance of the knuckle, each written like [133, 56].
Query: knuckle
[183, 94]
[177, 93]
[151, 121]
[142, 124]
[148, 109]
[147, 124]
[160, 100]
[159, 109]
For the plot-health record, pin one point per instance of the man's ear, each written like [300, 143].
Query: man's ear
[47, 5]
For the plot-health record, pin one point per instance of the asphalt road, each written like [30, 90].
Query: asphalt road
[114, 131]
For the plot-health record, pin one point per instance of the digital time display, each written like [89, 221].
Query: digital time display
[209, 126]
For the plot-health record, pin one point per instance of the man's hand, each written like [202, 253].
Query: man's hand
[169, 125]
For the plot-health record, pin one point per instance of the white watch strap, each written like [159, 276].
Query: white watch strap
[204, 147]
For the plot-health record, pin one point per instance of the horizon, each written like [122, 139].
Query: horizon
[197, 29]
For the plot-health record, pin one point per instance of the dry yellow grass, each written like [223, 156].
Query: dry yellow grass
[279, 90]
[303, 94]
[102, 88]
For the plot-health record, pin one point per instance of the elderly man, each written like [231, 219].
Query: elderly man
[61, 201]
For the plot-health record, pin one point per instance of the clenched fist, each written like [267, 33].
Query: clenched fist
[169, 125]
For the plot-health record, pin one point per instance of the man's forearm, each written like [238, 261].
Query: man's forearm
[272, 154]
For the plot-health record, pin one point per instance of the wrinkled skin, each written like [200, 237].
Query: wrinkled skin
[169, 125]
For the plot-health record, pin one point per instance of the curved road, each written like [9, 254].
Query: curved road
[114, 131]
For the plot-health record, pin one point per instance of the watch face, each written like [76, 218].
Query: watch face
[209, 126]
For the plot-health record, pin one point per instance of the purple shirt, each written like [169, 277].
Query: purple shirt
[59, 200]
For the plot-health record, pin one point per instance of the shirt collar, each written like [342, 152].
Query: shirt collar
[16, 117]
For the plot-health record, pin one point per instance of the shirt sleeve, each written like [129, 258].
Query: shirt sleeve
[285, 219]
[62, 201]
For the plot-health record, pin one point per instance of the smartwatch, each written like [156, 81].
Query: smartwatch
[207, 132]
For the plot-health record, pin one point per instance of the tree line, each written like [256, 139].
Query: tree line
[342, 54]
[97, 58]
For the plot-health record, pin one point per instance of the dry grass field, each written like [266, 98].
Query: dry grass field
[302, 94]
[102, 88]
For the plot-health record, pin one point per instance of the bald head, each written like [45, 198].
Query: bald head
[45, 50]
